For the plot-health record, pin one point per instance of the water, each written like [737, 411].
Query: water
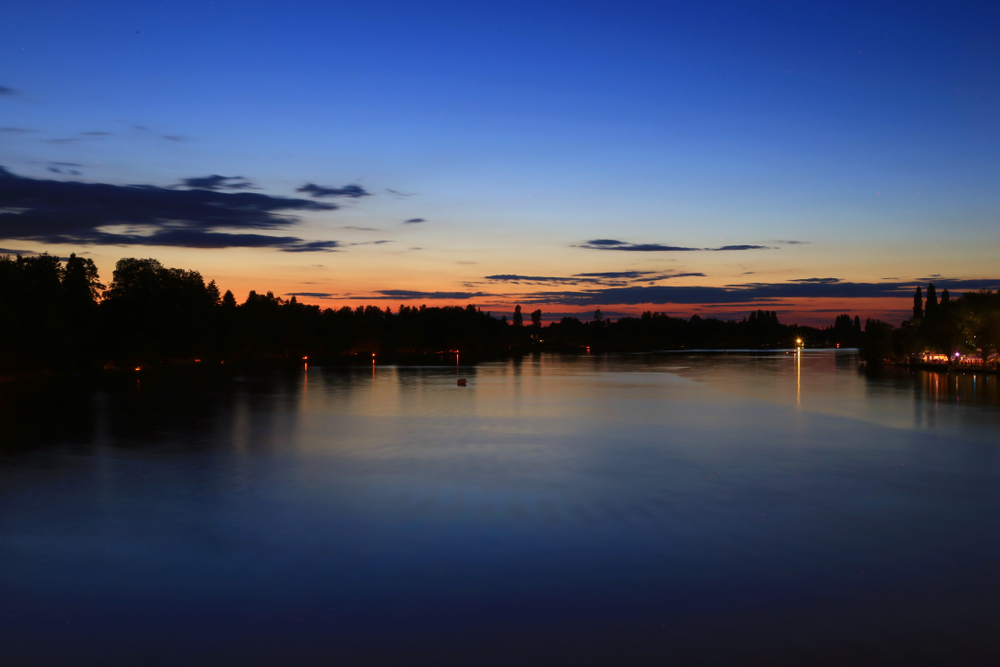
[639, 509]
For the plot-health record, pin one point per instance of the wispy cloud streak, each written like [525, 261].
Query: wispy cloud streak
[614, 244]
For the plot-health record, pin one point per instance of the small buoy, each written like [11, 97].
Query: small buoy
[462, 382]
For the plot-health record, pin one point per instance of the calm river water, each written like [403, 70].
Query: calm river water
[633, 509]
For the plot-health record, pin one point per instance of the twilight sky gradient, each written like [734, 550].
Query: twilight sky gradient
[805, 157]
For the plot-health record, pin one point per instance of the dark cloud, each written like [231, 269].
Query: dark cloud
[791, 242]
[531, 280]
[640, 295]
[399, 194]
[715, 299]
[173, 137]
[613, 244]
[193, 238]
[817, 281]
[413, 221]
[902, 312]
[68, 172]
[353, 191]
[952, 283]
[360, 229]
[65, 164]
[627, 274]
[72, 212]
[11, 251]
[607, 278]
[410, 295]
[7, 92]
[755, 293]
[58, 141]
[96, 134]
[309, 246]
[14, 130]
[216, 182]
[380, 242]
[584, 316]
[608, 244]
[313, 295]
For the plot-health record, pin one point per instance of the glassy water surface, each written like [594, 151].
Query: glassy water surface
[651, 509]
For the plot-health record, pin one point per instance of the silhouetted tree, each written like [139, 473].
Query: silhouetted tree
[536, 318]
[48, 317]
[32, 312]
[518, 319]
[154, 313]
[212, 291]
[81, 283]
[931, 308]
[81, 289]
[918, 305]
[877, 343]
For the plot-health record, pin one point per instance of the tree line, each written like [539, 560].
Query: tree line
[968, 325]
[58, 315]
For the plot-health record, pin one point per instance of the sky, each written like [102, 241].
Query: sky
[707, 158]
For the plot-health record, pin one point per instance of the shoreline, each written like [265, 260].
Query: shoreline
[951, 368]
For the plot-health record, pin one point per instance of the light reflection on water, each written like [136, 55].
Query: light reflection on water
[687, 507]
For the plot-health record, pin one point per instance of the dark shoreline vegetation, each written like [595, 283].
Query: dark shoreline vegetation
[58, 316]
[953, 333]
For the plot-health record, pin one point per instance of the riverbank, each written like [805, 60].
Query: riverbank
[992, 369]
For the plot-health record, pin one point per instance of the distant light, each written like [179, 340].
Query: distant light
[138, 368]
[197, 361]
[305, 358]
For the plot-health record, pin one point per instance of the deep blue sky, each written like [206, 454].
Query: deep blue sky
[520, 131]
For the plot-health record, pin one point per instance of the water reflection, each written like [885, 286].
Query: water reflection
[657, 508]
[134, 409]
[798, 377]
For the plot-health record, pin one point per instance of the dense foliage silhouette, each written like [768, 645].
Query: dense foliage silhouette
[57, 315]
[967, 326]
